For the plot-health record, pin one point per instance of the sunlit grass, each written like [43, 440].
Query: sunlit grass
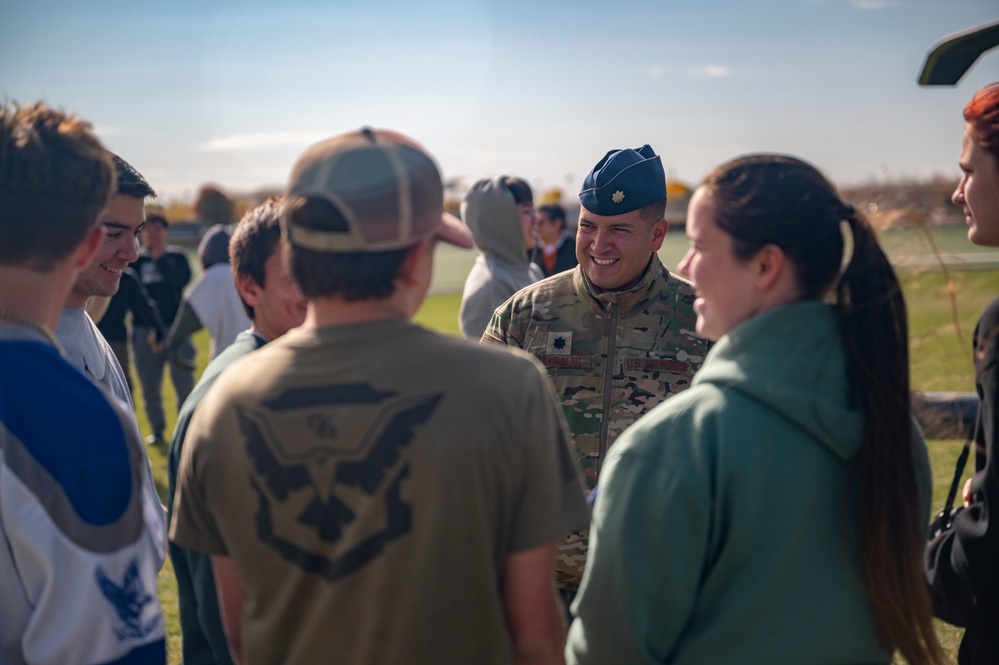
[440, 313]
[940, 330]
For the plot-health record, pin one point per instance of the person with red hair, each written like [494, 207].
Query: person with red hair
[961, 561]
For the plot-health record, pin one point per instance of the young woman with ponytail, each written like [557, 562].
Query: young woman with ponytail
[962, 563]
[775, 511]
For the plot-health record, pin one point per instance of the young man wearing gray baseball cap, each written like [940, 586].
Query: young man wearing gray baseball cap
[373, 489]
[616, 333]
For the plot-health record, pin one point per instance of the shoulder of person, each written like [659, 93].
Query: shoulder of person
[539, 299]
[550, 290]
[491, 363]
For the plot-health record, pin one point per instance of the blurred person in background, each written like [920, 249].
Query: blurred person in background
[500, 213]
[163, 271]
[211, 301]
[556, 244]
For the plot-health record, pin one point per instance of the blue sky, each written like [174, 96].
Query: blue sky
[196, 91]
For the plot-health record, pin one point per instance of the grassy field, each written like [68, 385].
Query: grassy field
[942, 316]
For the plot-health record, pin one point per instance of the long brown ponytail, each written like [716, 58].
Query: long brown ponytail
[875, 334]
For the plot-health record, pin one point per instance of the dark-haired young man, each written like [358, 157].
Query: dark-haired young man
[375, 490]
[77, 563]
[274, 306]
[122, 220]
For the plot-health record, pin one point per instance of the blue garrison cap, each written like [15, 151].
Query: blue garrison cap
[624, 180]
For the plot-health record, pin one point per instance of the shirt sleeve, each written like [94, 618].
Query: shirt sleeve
[192, 523]
[184, 325]
[501, 327]
[200, 294]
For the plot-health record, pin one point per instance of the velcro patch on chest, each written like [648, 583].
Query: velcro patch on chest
[559, 344]
[655, 365]
[569, 362]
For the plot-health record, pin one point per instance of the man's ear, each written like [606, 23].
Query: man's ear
[659, 230]
[88, 248]
[248, 289]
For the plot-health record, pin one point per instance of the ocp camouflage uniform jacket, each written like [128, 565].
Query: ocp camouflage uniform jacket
[610, 356]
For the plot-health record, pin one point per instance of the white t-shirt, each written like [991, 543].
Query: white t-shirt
[85, 348]
[214, 298]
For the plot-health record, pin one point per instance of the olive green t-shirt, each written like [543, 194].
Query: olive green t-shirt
[368, 482]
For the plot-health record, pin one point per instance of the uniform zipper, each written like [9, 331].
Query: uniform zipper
[608, 383]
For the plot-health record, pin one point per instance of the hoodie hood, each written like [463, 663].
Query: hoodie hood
[503, 268]
[791, 359]
[489, 210]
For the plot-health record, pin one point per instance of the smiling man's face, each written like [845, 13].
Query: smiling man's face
[614, 251]
[122, 219]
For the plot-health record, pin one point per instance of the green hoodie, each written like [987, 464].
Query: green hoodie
[719, 534]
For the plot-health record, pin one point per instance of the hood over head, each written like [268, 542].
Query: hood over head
[489, 210]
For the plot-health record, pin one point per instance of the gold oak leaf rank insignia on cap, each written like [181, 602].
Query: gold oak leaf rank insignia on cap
[638, 172]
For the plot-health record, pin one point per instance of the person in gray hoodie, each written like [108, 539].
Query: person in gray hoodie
[500, 213]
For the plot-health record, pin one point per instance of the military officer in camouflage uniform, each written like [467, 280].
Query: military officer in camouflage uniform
[617, 332]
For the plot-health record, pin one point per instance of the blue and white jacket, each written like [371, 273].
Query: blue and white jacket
[77, 562]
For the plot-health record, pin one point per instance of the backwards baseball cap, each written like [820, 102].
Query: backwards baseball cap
[624, 180]
[386, 188]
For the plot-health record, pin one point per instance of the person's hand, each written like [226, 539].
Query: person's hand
[966, 494]
[155, 345]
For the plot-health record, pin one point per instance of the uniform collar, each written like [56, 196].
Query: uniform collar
[627, 302]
